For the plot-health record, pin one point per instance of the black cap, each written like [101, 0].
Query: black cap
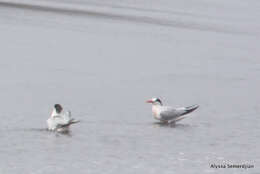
[58, 108]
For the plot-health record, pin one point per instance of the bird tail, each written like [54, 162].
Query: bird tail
[73, 121]
[190, 109]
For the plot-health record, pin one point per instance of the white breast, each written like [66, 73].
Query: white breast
[156, 112]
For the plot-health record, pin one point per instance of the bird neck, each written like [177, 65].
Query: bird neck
[156, 107]
[54, 113]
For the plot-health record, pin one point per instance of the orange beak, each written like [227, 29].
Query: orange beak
[149, 101]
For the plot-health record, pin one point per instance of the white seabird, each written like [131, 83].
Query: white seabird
[167, 114]
[60, 120]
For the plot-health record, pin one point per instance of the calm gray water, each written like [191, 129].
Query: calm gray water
[103, 59]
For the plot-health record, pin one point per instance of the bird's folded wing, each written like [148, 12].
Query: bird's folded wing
[72, 121]
[64, 119]
[171, 113]
[60, 120]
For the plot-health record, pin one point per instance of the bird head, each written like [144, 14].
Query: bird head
[154, 101]
[58, 108]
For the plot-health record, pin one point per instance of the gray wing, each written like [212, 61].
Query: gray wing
[72, 121]
[64, 120]
[171, 113]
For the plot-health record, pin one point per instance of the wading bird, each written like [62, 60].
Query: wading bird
[60, 120]
[167, 114]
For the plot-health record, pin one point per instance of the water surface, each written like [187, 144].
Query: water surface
[103, 59]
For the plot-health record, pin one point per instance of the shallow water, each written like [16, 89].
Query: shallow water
[102, 60]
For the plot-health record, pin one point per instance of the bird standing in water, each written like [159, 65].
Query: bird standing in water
[167, 114]
[60, 120]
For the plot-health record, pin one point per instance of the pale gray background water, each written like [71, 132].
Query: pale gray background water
[103, 59]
